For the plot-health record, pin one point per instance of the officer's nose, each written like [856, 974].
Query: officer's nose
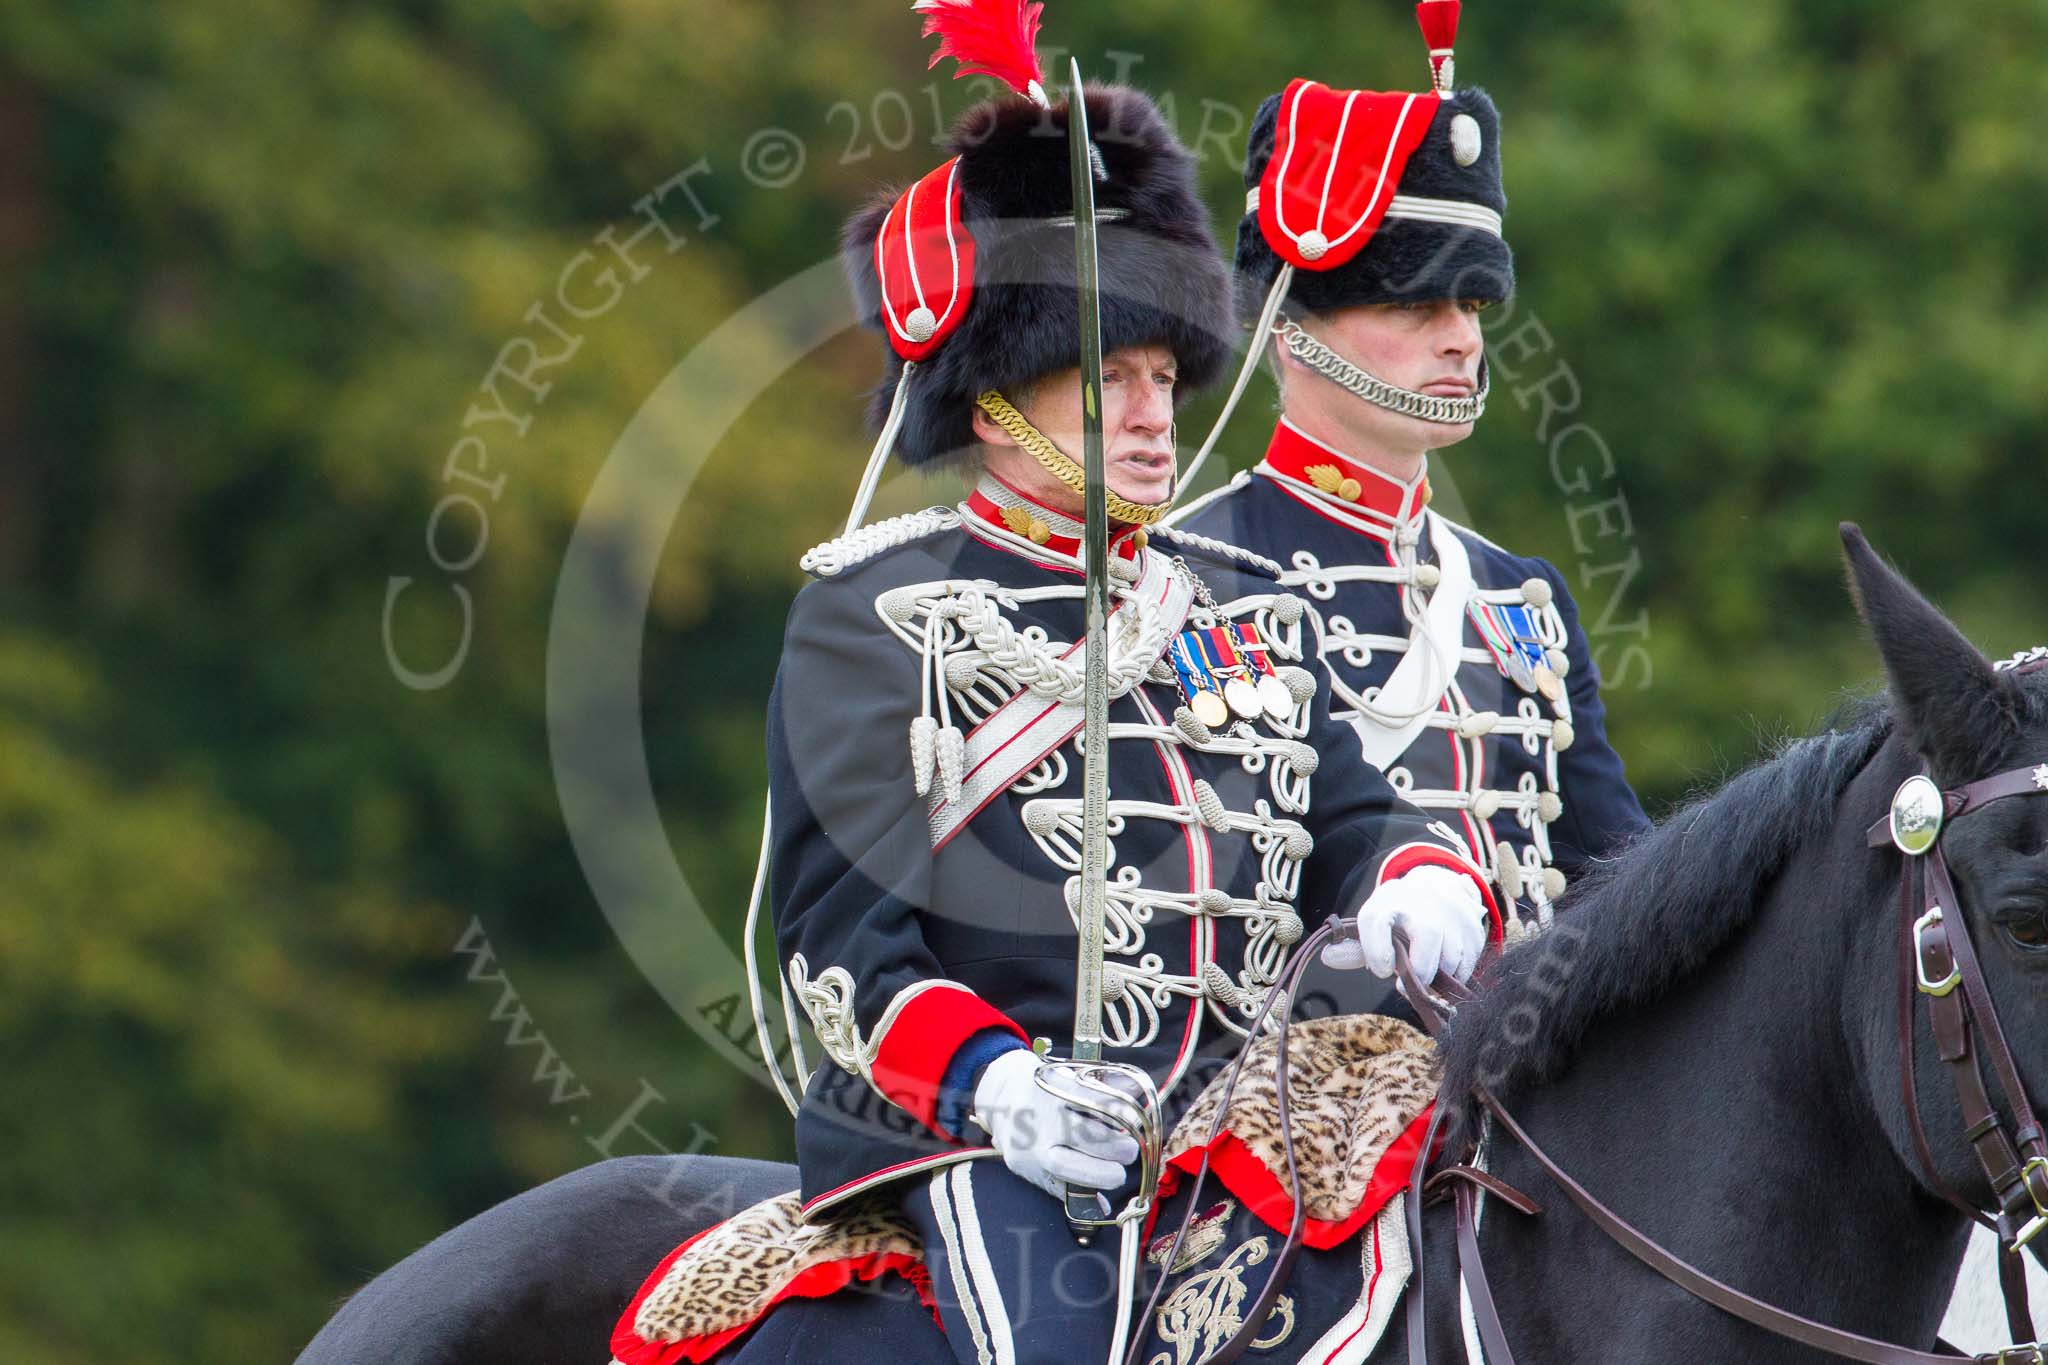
[1148, 405]
[1458, 335]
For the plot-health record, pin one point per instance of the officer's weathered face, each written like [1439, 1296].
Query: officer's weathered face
[1431, 347]
[1137, 430]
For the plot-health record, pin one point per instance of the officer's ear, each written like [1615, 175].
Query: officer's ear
[988, 433]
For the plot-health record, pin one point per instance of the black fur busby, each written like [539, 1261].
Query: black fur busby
[1163, 281]
[1407, 260]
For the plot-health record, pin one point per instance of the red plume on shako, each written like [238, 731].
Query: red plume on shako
[1360, 197]
[924, 254]
[998, 38]
[1439, 20]
[968, 273]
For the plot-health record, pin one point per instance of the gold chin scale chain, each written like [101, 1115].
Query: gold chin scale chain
[1059, 464]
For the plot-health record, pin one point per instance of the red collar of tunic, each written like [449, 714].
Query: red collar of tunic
[1001, 507]
[1379, 504]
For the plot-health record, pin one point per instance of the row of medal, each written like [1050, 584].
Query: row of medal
[1224, 671]
[1511, 637]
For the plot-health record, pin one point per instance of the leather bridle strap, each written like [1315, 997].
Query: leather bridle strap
[2032, 1179]
[1908, 1057]
[2017, 1184]
[1424, 1002]
[1492, 1339]
[1981, 793]
[1254, 1320]
[1701, 1285]
[1939, 965]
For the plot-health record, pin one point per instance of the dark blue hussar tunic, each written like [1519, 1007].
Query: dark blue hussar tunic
[1461, 666]
[927, 818]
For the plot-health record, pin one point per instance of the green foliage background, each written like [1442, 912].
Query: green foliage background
[255, 258]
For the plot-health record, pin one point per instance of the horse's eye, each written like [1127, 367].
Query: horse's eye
[2029, 930]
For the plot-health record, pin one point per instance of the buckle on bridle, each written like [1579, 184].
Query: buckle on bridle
[2027, 1354]
[2034, 1166]
[1955, 973]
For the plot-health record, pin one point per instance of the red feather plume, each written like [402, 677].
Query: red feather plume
[996, 38]
[1439, 20]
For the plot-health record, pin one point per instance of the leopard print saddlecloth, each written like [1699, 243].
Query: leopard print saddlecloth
[1355, 1083]
[734, 1273]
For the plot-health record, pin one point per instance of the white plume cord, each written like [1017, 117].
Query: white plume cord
[935, 664]
[1261, 334]
[878, 458]
[768, 1055]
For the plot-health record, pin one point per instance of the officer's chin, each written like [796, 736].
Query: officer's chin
[1146, 478]
[1440, 435]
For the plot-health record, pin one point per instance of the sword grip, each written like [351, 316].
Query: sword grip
[1087, 1210]
[1125, 1099]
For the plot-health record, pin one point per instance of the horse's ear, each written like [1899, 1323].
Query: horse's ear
[1958, 712]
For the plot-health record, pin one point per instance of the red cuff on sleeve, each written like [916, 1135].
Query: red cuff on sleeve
[923, 1029]
[1408, 857]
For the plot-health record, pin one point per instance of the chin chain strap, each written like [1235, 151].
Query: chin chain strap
[1429, 407]
[1061, 465]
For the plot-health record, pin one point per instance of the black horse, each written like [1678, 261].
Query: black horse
[1708, 1043]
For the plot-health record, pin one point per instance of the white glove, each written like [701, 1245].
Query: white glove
[1445, 918]
[1042, 1139]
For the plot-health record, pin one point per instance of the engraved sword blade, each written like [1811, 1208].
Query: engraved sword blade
[1095, 563]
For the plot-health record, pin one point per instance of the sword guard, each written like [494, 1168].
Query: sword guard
[1127, 1100]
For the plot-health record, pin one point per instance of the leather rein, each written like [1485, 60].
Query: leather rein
[1938, 961]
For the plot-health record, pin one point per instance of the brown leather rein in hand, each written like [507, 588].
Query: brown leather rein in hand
[1935, 962]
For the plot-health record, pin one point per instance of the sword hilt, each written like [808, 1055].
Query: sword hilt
[1126, 1099]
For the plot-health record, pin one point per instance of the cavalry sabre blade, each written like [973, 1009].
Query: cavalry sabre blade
[1122, 1096]
[1095, 601]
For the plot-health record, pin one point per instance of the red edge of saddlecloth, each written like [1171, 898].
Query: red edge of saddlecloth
[816, 1282]
[1265, 1194]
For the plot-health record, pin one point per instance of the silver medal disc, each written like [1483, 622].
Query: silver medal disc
[1276, 699]
[1243, 698]
[1519, 670]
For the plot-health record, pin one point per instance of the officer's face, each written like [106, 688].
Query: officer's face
[1432, 347]
[1137, 429]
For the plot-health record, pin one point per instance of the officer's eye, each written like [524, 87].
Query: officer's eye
[1475, 305]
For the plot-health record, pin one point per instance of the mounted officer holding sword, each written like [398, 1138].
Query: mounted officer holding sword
[1040, 729]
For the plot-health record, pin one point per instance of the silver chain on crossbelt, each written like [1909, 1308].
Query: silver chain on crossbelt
[1429, 407]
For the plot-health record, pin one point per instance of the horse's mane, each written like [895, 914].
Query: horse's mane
[1635, 924]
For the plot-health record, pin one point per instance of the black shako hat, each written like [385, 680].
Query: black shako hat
[1376, 197]
[969, 273]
